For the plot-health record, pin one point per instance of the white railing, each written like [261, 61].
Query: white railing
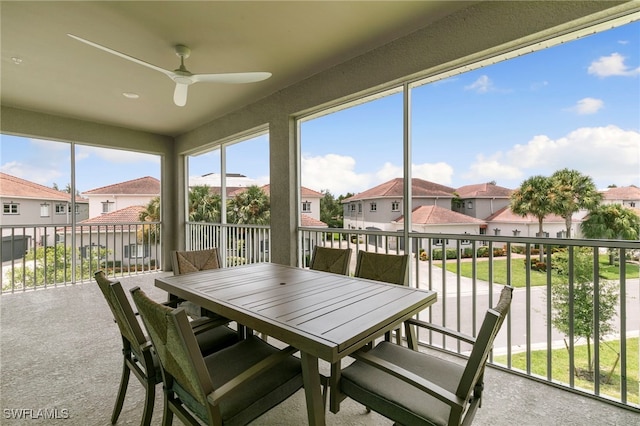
[36, 256]
[242, 243]
[542, 339]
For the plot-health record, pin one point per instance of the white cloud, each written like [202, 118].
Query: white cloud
[33, 172]
[587, 106]
[333, 172]
[609, 155]
[612, 65]
[115, 155]
[482, 85]
[486, 169]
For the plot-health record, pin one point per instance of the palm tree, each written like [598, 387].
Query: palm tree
[250, 206]
[533, 198]
[151, 213]
[572, 191]
[203, 205]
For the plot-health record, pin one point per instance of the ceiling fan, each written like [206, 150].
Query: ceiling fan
[183, 77]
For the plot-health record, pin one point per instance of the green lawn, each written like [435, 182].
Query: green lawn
[560, 367]
[609, 272]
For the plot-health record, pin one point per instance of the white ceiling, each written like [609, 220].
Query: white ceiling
[292, 40]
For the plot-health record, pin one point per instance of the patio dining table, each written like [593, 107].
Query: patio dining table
[326, 316]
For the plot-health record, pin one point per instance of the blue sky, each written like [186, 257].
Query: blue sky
[576, 105]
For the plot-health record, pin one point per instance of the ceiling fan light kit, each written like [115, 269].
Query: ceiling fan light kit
[182, 77]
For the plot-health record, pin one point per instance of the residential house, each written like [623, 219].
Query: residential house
[110, 198]
[628, 196]
[115, 237]
[30, 208]
[436, 219]
[377, 207]
[234, 182]
[505, 222]
[481, 200]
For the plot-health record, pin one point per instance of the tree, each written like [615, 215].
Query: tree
[331, 211]
[250, 206]
[203, 205]
[582, 299]
[572, 191]
[533, 198]
[611, 221]
[151, 213]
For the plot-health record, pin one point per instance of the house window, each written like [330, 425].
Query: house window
[10, 208]
[306, 207]
[107, 206]
[359, 207]
[44, 210]
[60, 208]
[353, 207]
[395, 206]
[374, 207]
[632, 204]
[440, 241]
[469, 204]
[136, 251]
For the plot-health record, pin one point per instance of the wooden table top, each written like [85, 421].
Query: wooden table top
[326, 315]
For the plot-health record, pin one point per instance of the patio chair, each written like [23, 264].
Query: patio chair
[389, 268]
[415, 388]
[184, 262]
[230, 387]
[333, 260]
[136, 348]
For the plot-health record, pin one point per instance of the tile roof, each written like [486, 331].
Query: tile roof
[142, 186]
[631, 192]
[483, 190]
[127, 215]
[436, 215]
[506, 215]
[12, 186]
[394, 189]
[307, 220]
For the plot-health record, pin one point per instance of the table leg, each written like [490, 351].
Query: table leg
[312, 389]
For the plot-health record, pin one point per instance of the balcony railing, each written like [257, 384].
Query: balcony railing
[544, 337]
[36, 256]
[242, 243]
[566, 291]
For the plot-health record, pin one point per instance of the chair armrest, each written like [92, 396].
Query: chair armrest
[439, 329]
[267, 363]
[410, 378]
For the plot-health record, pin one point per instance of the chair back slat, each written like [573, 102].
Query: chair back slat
[329, 259]
[484, 343]
[389, 268]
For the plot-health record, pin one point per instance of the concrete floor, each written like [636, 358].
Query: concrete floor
[60, 350]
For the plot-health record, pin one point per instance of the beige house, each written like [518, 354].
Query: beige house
[481, 200]
[29, 208]
[628, 196]
[110, 198]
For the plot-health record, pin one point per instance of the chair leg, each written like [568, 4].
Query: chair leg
[167, 414]
[122, 391]
[150, 389]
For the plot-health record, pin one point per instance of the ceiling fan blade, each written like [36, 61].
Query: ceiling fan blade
[180, 94]
[232, 78]
[124, 56]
